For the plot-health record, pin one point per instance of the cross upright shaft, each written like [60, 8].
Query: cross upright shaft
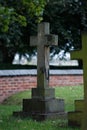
[43, 41]
[82, 54]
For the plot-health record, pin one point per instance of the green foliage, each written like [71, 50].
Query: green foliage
[68, 19]
[18, 20]
[8, 17]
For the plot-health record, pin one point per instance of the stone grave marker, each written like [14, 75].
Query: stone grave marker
[79, 117]
[43, 103]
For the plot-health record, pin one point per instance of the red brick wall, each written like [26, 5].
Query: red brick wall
[66, 80]
[13, 84]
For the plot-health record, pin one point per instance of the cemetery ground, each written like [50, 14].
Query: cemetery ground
[14, 103]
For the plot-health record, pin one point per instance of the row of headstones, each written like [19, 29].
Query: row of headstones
[43, 104]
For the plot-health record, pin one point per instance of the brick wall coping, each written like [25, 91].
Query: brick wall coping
[32, 72]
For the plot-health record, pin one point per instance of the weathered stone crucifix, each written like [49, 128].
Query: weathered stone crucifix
[82, 54]
[43, 103]
[43, 42]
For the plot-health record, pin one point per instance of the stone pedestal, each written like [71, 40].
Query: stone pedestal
[42, 108]
[75, 117]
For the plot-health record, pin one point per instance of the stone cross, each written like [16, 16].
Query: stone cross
[82, 54]
[43, 104]
[43, 40]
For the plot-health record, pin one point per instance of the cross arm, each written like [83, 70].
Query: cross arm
[51, 40]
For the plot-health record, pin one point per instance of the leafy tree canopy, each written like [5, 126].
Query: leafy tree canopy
[68, 19]
[18, 19]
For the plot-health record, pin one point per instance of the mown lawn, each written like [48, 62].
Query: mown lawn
[13, 103]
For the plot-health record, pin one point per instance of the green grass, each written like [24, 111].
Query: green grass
[69, 94]
[13, 103]
[16, 99]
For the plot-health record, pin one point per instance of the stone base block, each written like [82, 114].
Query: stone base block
[42, 109]
[41, 116]
[74, 118]
[38, 105]
[43, 93]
